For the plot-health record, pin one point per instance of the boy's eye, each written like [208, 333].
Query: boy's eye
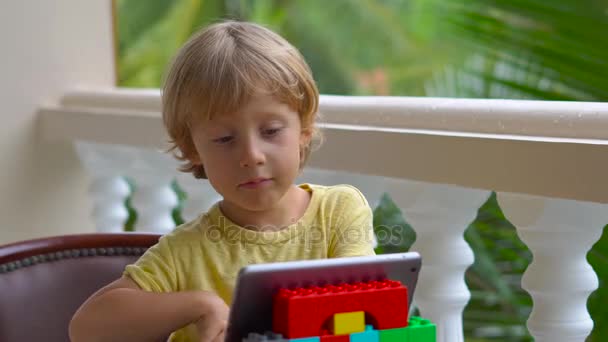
[271, 131]
[223, 140]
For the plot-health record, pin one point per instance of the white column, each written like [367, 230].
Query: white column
[109, 195]
[559, 233]
[440, 214]
[108, 189]
[153, 198]
[47, 47]
[200, 196]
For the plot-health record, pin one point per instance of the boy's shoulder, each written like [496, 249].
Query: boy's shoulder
[340, 193]
[188, 232]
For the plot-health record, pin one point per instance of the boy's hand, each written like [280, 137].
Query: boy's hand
[212, 324]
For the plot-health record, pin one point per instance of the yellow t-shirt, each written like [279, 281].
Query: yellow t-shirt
[208, 252]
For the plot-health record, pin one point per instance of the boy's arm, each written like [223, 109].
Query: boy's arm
[121, 311]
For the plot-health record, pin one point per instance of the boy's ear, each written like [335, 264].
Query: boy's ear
[195, 159]
[305, 137]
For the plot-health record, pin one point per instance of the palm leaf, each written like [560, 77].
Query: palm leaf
[562, 38]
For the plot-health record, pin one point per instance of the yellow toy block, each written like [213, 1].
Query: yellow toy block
[348, 322]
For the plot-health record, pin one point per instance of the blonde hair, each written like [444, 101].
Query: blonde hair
[217, 71]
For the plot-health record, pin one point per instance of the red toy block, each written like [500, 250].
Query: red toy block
[305, 312]
[326, 336]
[335, 338]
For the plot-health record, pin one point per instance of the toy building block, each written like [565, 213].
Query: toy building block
[327, 336]
[335, 338]
[421, 330]
[369, 335]
[303, 312]
[306, 339]
[395, 335]
[348, 322]
[267, 337]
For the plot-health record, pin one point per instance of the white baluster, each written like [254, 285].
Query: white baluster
[440, 214]
[200, 196]
[108, 189]
[109, 195]
[559, 233]
[153, 199]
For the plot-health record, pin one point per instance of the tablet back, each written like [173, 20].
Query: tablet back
[251, 309]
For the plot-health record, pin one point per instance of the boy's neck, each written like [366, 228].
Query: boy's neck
[276, 218]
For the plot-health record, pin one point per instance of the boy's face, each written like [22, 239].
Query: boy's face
[251, 157]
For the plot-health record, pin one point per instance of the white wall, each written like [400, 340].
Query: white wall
[46, 47]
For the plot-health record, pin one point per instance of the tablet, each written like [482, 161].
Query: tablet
[256, 285]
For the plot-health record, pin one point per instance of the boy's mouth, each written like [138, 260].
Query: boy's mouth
[252, 183]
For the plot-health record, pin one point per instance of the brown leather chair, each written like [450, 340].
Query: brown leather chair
[44, 281]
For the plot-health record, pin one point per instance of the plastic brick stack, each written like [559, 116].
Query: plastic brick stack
[374, 311]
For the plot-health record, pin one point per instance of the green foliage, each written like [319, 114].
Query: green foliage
[494, 279]
[529, 49]
[598, 259]
[132, 218]
[181, 197]
[394, 235]
[564, 40]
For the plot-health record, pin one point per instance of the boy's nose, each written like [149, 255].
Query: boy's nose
[252, 155]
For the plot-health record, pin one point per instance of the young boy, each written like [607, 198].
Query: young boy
[239, 104]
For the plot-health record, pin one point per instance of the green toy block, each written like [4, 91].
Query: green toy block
[421, 330]
[394, 335]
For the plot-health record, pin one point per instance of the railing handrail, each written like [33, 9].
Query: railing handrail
[584, 121]
[563, 155]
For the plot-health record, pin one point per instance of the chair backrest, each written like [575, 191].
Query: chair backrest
[44, 281]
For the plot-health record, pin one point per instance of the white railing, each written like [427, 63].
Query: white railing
[439, 159]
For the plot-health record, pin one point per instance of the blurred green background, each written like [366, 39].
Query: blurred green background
[514, 49]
